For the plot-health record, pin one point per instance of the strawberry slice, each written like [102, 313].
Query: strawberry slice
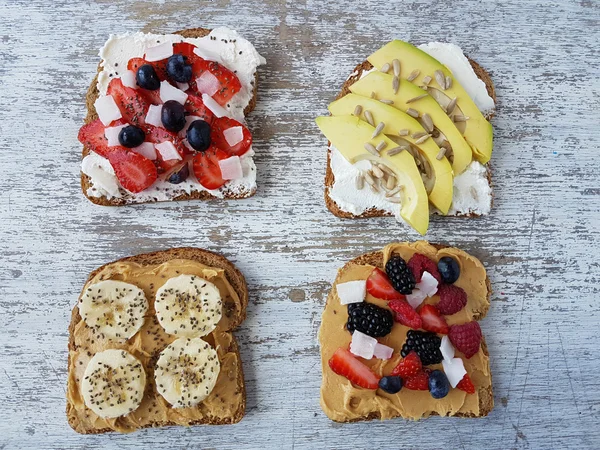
[466, 384]
[158, 135]
[91, 135]
[134, 171]
[418, 382]
[187, 51]
[159, 66]
[195, 107]
[345, 364]
[405, 314]
[206, 167]
[132, 103]
[409, 366]
[230, 84]
[221, 124]
[379, 286]
[433, 320]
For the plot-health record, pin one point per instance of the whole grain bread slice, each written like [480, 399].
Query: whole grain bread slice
[92, 96]
[329, 175]
[236, 316]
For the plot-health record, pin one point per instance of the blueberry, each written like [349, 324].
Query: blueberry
[180, 176]
[173, 116]
[391, 384]
[178, 70]
[449, 269]
[439, 386]
[131, 136]
[147, 78]
[198, 135]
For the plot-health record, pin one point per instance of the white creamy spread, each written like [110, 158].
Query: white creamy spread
[227, 48]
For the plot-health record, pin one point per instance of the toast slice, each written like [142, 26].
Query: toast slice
[227, 402]
[86, 182]
[357, 73]
[343, 401]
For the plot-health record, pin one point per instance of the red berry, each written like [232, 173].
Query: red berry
[466, 338]
[131, 102]
[187, 51]
[194, 106]
[409, 366]
[230, 83]
[158, 135]
[379, 286]
[91, 135]
[221, 124]
[345, 364]
[452, 299]
[134, 171]
[418, 382]
[433, 320]
[207, 169]
[160, 67]
[405, 314]
[466, 384]
[420, 263]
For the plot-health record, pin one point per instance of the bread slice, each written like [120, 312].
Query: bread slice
[78, 416]
[376, 259]
[93, 94]
[329, 175]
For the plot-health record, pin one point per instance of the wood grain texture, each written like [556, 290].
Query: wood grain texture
[540, 244]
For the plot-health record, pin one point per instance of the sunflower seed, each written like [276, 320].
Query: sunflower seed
[381, 146]
[474, 193]
[396, 84]
[385, 68]
[396, 150]
[386, 101]
[377, 172]
[391, 182]
[414, 99]
[412, 112]
[393, 199]
[387, 170]
[414, 74]
[396, 66]
[395, 190]
[369, 117]
[440, 79]
[403, 132]
[441, 154]
[448, 82]
[427, 121]
[422, 139]
[460, 118]
[369, 179]
[373, 94]
[451, 106]
[426, 80]
[357, 110]
[378, 129]
[374, 188]
[418, 135]
[371, 149]
[360, 182]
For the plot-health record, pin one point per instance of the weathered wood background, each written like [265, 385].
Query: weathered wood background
[540, 243]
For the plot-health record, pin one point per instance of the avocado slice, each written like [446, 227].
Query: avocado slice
[381, 84]
[349, 134]
[440, 193]
[478, 131]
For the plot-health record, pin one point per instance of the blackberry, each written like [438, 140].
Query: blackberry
[400, 275]
[369, 319]
[426, 344]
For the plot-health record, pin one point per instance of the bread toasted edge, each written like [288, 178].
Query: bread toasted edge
[91, 96]
[374, 212]
[238, 283]
[486, 395]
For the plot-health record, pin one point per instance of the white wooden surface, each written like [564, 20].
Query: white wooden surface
[540, 243]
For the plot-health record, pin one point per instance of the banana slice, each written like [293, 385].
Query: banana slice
[188, 306]
[186, 372]
[113, 383]
[113, 308]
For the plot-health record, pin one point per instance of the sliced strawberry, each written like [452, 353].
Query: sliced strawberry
[345, 364]
[418, 382]
[433, 320]
[206, 167]
[158, 135]
[230, 84]
[405, 314]
[91, 135]
[379, 286]
[221, 124]
[134, 172]
[131, 102]
[195, 107]
[409, 366]
[187, 51]
[159, 66]
[466, 384]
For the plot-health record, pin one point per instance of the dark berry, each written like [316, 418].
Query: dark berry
[391, 384]
[147, 78]
[426, 344]
[180, 175]
[439, 386]
[198, 135]
[449, 269]
[173, 116]
[131, 136]
[178, 70]
[369, 319]
[400, 275]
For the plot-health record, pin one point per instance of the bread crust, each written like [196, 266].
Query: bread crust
[206, 257]
[374, 212]
[92, 95]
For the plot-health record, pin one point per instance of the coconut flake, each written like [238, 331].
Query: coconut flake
[231, 168]
[153, 117]
[112, 135]
[159, 52]
[167, 151]
[454, 370]
[211, 104]
[416, 297]
[182, 86]
[128, 79]
[107, 109]
[362, 345]
[428, 284]
[170, 92]
[234, 135]
[447, 348]
[352, 291]
[382, 351]
[207, 53]
[146, 149]
[208, 84]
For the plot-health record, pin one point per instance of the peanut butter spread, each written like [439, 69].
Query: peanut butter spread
[146, 346]
[344, 402]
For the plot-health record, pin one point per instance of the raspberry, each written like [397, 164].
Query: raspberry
[420, 263]
[409, 366]
[418, 382]
[466, 385]
[405, 314]
[452, 299]
[466, 338]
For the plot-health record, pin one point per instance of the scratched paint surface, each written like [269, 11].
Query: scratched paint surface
[540, 243]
